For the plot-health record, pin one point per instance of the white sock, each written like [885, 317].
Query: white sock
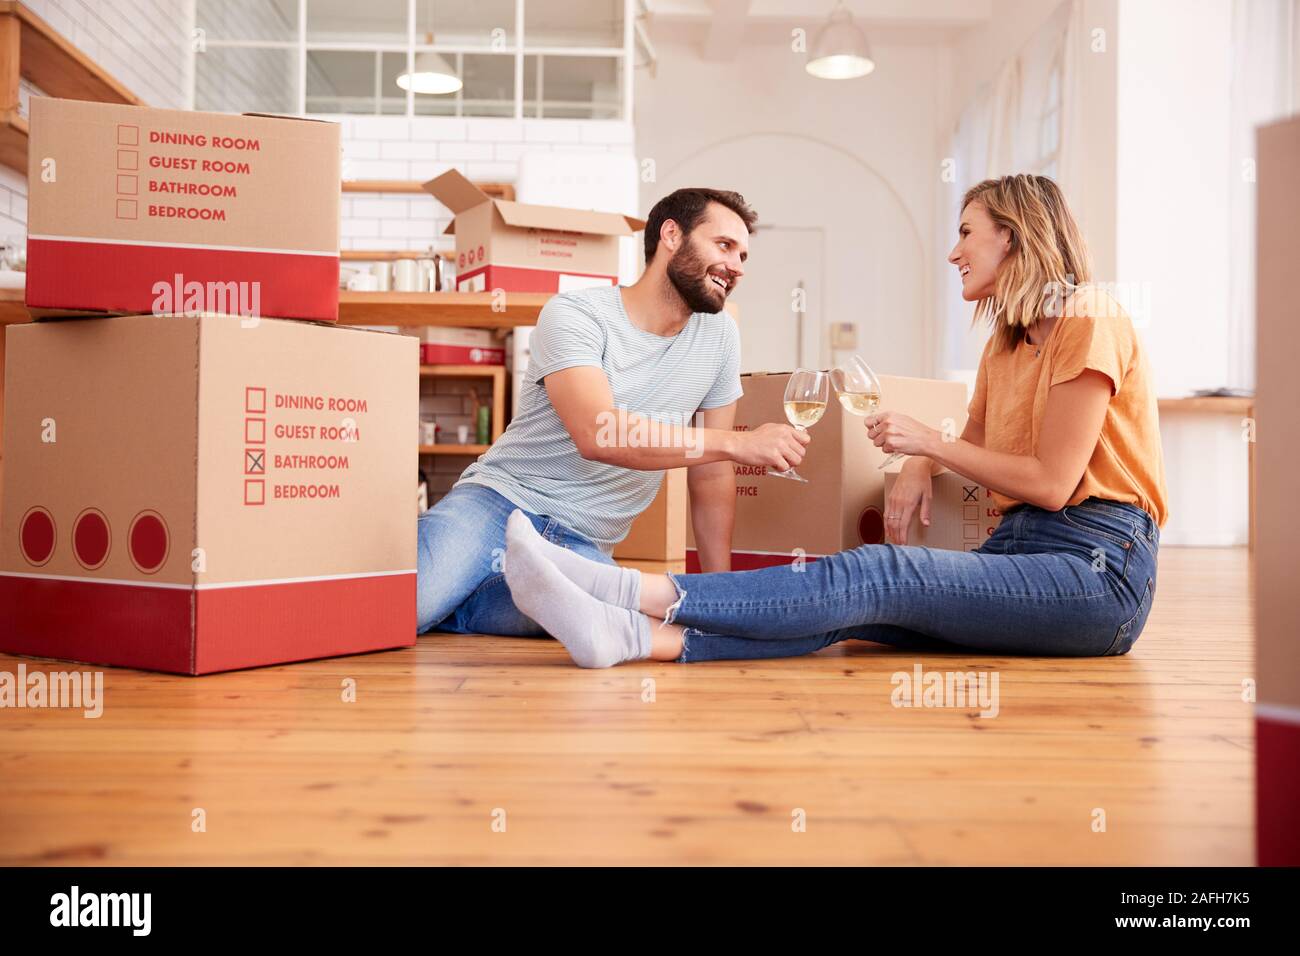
[605, 582]
[596, 634]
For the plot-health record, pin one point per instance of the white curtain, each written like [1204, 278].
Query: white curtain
[1263, 72]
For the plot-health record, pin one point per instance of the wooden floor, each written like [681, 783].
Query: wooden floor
[453, 737]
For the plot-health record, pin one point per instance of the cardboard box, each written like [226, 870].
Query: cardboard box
[186, 494]
[508, 245]
[135, 210]
[777, 520]
[1276, 465]
[659, 532]
[962, 512]
[452, 346]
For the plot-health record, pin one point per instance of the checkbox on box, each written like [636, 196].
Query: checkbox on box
[128, 185]
[255, 400]
[970, 531]
[255, 461]
[255, 431]
[127, 209]
[254, 491]
[128, 159]
[970, 512]
[128, 135]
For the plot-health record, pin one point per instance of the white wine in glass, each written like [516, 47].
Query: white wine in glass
[806, 395]
[859, 392]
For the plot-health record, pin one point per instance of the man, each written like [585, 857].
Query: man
[616, 376]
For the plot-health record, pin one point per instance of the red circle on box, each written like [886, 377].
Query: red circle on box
[36, 534]
[461, 264]
[148, 541]
[481, 256]
[91, 539]
[871, 526]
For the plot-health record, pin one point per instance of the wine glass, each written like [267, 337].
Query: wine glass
[806, 395]
[859, 392]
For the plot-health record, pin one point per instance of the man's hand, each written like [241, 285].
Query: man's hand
[772, 444]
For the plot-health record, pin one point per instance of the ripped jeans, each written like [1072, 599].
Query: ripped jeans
[1078, 582]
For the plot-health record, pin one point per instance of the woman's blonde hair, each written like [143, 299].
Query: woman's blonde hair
[1048, 258]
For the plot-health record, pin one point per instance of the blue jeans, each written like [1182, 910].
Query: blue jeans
[1076, 583]
[461, 546]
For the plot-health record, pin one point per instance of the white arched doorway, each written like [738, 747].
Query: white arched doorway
[833, 223]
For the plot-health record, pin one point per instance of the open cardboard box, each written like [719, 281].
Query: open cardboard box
[502, 244]
[841, 505]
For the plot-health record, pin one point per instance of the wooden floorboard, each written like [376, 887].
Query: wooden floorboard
[460, 733]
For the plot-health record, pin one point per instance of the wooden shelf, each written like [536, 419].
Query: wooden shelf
[1217, 404]
[13, 307]
[13, 141]
[495, 190]
[389, 255]
[474, 450]
[459, 309]
[463, 371]
[409, 309]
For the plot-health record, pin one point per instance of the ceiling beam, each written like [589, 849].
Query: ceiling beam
[868, 13]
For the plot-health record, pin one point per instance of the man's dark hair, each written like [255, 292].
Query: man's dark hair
[686, 207]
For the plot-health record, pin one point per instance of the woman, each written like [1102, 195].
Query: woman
[1062, 428]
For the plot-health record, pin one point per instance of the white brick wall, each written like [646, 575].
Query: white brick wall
[417, 149]
[144, 44]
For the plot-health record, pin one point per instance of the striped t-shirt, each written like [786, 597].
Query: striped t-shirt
[535, 463]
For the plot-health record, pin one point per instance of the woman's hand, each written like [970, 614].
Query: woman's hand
[914, 489]
[896, 432]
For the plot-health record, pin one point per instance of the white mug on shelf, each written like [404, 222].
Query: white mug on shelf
[383, 273]
[363, 282]
[406, 275]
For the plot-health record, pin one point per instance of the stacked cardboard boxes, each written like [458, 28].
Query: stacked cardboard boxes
[198, 489]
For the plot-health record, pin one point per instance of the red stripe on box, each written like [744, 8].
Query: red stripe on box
[251, 626]
[120, 277]
[1277, 792]
[124, 625]
[513, 279]
[461, 355]
[115, 624]
[746, 560]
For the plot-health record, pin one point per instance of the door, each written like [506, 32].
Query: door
[780, 299]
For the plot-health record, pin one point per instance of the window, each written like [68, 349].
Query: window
[1049, 123]
[513, 58]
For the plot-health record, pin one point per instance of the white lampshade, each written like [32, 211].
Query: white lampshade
[839, 51]
[432, 74]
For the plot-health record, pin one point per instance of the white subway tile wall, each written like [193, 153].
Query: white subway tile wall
[417, 149]
[143, 44]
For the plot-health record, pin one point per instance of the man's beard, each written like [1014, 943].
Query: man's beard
[689, 276]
